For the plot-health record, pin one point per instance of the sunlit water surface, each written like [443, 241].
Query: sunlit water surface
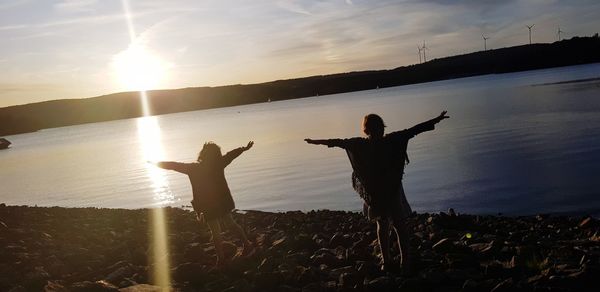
[512, 145]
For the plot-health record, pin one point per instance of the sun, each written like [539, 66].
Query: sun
[138, 69]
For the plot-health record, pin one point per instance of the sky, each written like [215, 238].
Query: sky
[85, 48]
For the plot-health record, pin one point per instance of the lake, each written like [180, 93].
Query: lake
[518, 143]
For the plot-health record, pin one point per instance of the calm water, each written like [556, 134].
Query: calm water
[508, 147]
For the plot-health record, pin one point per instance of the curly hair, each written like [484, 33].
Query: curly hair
[209, 151]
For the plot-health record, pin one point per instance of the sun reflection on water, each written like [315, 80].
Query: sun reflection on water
[151, 149]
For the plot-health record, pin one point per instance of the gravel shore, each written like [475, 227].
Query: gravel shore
[90, 249]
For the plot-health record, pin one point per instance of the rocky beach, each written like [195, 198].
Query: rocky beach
[90, 249]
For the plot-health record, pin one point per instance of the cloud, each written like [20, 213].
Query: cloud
[72, 6]
[25, 87]
[213, 42]
[13, 27]
[293, 6]
[99, 19]
[13, 4]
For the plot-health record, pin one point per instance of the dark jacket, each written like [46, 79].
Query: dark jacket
[212, 196]
[378, 165]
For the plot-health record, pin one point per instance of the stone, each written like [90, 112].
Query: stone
[142, 288]
[98, 286]
[470, 285]
[36, 279]
[267, 265]
[54, 287]
[279, 242]
[312, 287]
[379, 284]
[504, 286]
[194, 252]
[287, 288]
[335, 273]
[461, 260]
[267, 281]
[306, 276]
[229, 249]
[18, 288]
[188, 271]
[451, 212]
[240, 286]
[118, 275]
[443, 246]
[349, 279]
[586, 222]
[325, 258]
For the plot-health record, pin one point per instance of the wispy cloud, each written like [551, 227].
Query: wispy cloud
[76, 5]
[214, 42]
[97, 19]
[293, 6]
[12, 4]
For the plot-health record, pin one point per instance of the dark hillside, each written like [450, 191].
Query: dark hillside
[32, 117]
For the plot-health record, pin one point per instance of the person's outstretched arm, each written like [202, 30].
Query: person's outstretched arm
[342, 143]
[428, 125]
[233, 154]
[172, 165]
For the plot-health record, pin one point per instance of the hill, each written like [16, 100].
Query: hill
[57, 113]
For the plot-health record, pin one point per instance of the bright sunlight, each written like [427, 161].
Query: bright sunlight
[138, 69]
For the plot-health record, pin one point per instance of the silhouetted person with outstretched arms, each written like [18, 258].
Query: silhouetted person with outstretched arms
[378, 166]
[212, 197]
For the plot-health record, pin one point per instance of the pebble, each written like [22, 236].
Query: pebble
[56, 249]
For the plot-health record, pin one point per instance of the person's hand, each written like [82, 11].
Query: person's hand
[443, 116]
[249, 145]
[309, 141]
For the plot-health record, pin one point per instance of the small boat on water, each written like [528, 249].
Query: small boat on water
[4, 143]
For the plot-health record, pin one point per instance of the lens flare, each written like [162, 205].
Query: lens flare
[151, 148]
[140, 71]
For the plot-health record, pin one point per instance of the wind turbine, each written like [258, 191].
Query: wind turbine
[484, 42]
[419, 48]
[424, 48]
[529, 27]
[559, 32]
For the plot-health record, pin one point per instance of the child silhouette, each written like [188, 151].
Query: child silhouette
[212, 197]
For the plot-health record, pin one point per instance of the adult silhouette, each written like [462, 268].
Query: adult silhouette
[378, 163]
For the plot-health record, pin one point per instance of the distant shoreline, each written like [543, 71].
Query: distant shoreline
[67, 112]
[570, 81]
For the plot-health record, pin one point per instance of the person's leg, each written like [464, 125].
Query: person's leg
[228, 220]
[403, 237]
[383, 236]
[215, 229]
